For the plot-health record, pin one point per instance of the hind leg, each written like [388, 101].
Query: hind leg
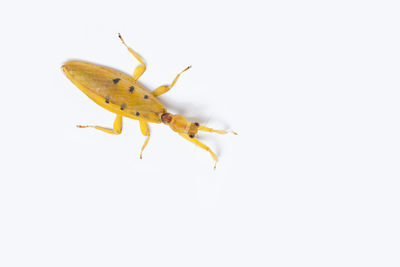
[117, 127]
[140, 69]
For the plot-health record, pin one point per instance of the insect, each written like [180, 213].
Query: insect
[124, 96]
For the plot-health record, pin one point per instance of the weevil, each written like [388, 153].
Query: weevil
[123, 95]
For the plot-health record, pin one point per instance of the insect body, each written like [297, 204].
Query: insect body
[122, 95]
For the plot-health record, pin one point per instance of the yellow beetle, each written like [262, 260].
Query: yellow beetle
[122, 95]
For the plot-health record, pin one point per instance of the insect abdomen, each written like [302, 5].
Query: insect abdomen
[114, 91]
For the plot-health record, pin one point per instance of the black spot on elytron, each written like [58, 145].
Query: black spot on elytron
[191, 136]
[115, 81]
[197, 124]
[146, 96]
[107, 99]
[131, 89]
[137, 113]
[123, 106]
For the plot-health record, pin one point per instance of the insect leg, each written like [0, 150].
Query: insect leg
[203, 146]
[117, 127]
[206, 129]
[146, 132]
[140, 69]
[163, 89]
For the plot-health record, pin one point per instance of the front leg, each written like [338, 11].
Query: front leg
[203, 146]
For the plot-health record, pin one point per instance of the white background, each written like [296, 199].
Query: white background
[312, 179]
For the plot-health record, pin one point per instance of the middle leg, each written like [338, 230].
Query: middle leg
[163, 89]
[146, 132]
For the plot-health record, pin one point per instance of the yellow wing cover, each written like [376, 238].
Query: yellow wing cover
[114, 91]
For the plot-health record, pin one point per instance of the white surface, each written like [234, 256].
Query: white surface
[312, 88]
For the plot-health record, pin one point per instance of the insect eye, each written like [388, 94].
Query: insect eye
[197, 124]
[191, 135]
